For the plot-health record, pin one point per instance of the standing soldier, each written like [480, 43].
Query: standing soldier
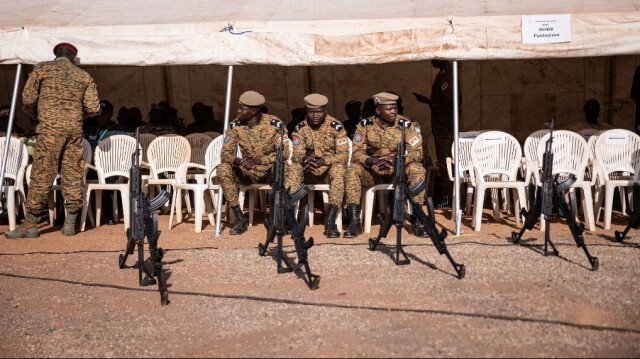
[257, 135]
[59, 94]
[374, 145]
[320, 155]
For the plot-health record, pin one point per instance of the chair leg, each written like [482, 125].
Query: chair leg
[124, 194]
[587, 206]
[252, 205]
[469, 199]
[608, 198]
[477, 210]
[368, 211]
[51, 205]
[311, 198]
[85, 206]
[173, 209]
[98, 207]
[198, 194]
[11, 208]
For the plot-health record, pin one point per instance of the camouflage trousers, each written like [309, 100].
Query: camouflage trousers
[56, 152]
[359, 176]
[443, 186]
[332, 175]
[230, 176]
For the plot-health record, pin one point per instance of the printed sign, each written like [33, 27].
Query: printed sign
[494, 140]
[621, 138]
[546, 29]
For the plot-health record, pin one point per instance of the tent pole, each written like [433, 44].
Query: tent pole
[12, 113]
[227, 106]
[456, 177]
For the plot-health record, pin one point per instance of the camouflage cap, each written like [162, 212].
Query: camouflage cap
[66, 45]
[315, 100]
[251, 99]
[384, 98]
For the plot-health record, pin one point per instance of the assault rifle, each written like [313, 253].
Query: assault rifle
[144, 222]
[397, 215]
[552, 189]
[634, 219]
[283, 219]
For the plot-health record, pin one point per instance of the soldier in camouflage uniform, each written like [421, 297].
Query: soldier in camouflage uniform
[59, 94]
[257, 135]
[374, 145]
[320, 155]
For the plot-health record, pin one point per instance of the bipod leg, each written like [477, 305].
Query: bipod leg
[131, 244]
[547, 238]
[384, 230]
[531, 216]
[301, 248]
[280, 256]
[634, 220]
[262, 248]
[576, 231]
[399, 248]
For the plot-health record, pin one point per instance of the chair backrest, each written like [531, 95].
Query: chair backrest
[530, 148]
[17, 159]
[212, 134]
[212, 156]
[570, 153]
[464, 154]
[588, 132]
[166, 153]
[618, 150]
[199, 143]
[591, 141]
[112, 156]
[145, 140]
[497, 153]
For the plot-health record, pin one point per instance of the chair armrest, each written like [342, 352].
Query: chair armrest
[449, 166]
[181, 171]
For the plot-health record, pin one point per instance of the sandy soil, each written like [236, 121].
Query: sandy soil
[66, 297]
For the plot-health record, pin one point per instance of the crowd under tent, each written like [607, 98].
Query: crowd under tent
[148, 51]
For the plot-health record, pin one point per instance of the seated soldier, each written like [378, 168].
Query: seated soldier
[320, 155]
[257, 135]
[372, 162]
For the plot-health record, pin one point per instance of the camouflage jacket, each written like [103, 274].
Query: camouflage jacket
[60, 95]
[259, 141]
[374, 137]
[329, 141]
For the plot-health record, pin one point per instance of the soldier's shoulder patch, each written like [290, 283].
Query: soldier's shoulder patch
[300, 125]
[296, 140]
[337, 125]
[236, 123]
[444, 86]
[366, 121]
[357, 137]
[277, 123]
[341, 141]
[227, 138]
[414, 140]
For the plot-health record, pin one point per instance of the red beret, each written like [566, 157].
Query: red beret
[66, 45]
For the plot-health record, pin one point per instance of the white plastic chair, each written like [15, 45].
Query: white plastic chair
[464, 153]
[570, 157]
[212, 134]
[164, 155]
[617, 154]
[496, 157]
[530, 161]
[199, 143]
[112, 157]
[17, 161]
[205, 185]
[325, 196]
[145, 140]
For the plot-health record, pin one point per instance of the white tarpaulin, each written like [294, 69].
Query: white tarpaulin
[303, 32]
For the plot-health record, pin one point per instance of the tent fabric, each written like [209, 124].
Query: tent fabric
[304, 32]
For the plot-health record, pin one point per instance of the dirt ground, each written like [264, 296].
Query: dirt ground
[66, 297]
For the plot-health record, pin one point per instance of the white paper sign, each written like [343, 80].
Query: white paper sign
[546, 29]
[616, 138]
[494, 140]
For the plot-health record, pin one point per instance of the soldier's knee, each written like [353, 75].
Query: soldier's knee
[224, 170]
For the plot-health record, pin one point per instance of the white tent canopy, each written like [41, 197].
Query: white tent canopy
[304, 32]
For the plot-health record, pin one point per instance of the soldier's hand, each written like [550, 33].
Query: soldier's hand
[237, 162]
[386, 162]
[319, 162]
[421, 98]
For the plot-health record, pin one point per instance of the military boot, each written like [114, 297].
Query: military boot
[330, 227]
[28, 228]
[69, 227]
[419, 229]
[241, 222]
[355, 227]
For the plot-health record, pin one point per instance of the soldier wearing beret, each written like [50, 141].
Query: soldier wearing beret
[374, 145]
[320, 155]
[256, 135]
[60, 95]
